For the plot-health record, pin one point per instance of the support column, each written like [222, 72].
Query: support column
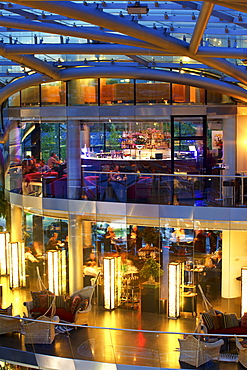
[74, 192]
[75, 253]
[241, 140]
[233, 258]
[73, 159]
[229, 137]
[16, 222]
[85, 136]
[229, 157]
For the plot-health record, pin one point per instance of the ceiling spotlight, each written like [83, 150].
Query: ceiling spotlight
[240, 18]
[166, 15]
[193, 17]
[137, 8]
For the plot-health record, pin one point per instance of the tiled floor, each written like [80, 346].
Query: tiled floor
[110, 345]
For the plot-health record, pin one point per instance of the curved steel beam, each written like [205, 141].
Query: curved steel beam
[201, 25]
[126, 72]
[85, 48]
[78, 49]
[87, 14]
[231, 4]
[80, 32]
[33, 63]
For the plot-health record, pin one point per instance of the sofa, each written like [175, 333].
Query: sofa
[217, 322]
[73, 309]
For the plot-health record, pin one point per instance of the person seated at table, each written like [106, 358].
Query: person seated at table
[116, 175]
[118, 184]
[109, 240]
[42, 167]
[53, 161]
[52, 243]
[208, 276]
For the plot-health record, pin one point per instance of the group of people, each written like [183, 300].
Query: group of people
[32, 165]
[210, 279]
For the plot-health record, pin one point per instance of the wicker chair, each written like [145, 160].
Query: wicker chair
[195, 352]
[40, 331]
[242, 353]
[10, 324]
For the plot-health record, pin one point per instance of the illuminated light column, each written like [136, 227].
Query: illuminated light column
[243, 290]
[112, 282]
[17, 275]
[4, 253]
[174, 290]
[57, 271]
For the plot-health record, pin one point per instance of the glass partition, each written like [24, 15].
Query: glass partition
[83, 92]
[187, 94]
[53, 93]
[15, 100]
[116, 91]
[152, 92]
[30, 96]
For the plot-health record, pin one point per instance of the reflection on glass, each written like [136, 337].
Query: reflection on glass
[30, 96]
[152, 92]
[116, 91]
[53, 93]
[15, 100]
[187, 94]
[83, 92]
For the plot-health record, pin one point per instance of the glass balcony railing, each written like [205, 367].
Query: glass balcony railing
[103, 345]
[151, 188]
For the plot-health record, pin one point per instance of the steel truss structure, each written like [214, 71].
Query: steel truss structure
[197, 43]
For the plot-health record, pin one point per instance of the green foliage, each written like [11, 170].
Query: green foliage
[3, 204]
[150, 235]
[113, 138]
[151, 268]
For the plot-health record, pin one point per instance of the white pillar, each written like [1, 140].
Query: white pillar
[229, 139]
[241, 141]
[16, 222]
[234, 256]
[73, 159]
[75, 253]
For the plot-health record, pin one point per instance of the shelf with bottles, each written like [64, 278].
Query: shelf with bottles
[130, 289]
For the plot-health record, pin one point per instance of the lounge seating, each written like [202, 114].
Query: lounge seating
[74, 309]
[242, 353]
[195, 352]
[40, 332]
[9, 324]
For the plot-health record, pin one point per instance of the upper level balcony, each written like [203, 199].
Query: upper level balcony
[126, 186]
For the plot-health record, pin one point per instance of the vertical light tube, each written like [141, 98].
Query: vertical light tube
[109, 283]
[17, 277]
[4, 239]
[63, 267]
[50, 271]
[173, 290]
[243, 290]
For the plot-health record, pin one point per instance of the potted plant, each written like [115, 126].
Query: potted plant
[151, 270]
[150, 236]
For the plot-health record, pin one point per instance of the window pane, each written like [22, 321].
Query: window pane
[30, 96]
[116, 91]
[83, 91]
[53, 93]
[15, 100]
[187, 94]
[188, 126]
[214, 97]
[152, 92]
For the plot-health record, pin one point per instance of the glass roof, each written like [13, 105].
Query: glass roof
[196, 37]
